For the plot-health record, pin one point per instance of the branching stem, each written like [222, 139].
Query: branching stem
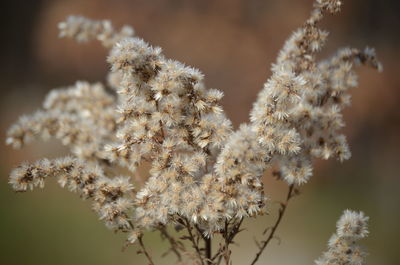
[193, 240]
[228, 236]
[175, 246]
[275, 226]
[144, 250]
[207, 241]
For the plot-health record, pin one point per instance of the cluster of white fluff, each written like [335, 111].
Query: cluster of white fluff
[82, 117]
[161, 112]
[297, 115]
[112, 198]
[342, 248]
[83, 30]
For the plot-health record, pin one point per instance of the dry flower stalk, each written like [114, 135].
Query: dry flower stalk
[205, 177]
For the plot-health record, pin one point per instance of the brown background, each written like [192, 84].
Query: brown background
[233, 42]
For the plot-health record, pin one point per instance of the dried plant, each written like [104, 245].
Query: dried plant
[205, 177]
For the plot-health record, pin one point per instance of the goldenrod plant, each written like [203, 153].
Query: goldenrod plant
[205, 177]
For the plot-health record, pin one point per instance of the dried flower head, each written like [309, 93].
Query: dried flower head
[342, 248]
[204, 175]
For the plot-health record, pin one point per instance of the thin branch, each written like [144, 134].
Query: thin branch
[207, 245]
[207, 241]
[193, 239]
[216, 255]
[277, 222]
[140, 239]
[227, 254]
[228, 235]
[175, 246]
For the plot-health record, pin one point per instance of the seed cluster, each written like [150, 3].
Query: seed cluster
[158, 111]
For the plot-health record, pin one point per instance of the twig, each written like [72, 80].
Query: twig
[174, 245]
[207, 241]
[278, 221]
[207, 245]
[227, 255]
[140, 239]
[193, 239]
[228, 236]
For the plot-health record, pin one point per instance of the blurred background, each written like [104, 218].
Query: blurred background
[233, 42]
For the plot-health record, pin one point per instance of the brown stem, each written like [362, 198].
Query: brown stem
[227, 255]
[207, 245]
[193, 240]
[228, 235]
[277, 222]
[140, 239]
[208, 249]
[174, 245]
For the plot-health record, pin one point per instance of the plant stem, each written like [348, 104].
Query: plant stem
[228, 236]
[174, 244]
[208, 250]
[277, 222]
[192, 238]
[140, 239]
[207, 245]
